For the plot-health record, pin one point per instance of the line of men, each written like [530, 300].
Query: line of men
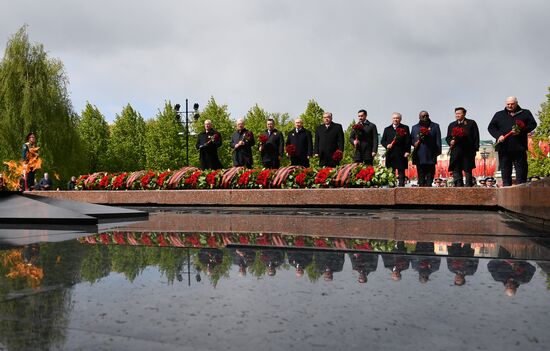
[424, 139]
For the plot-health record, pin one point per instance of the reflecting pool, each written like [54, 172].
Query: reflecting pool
[194, 279]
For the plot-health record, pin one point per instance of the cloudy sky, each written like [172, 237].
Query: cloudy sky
[385, 56]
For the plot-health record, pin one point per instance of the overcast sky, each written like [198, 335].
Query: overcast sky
[383, 56]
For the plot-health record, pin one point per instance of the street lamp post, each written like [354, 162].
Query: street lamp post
[195, 117]
[484, 154]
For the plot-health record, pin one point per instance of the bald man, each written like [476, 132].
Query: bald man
[512, 151]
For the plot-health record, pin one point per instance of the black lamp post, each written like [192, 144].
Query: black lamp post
[484, 154]
[196, 116]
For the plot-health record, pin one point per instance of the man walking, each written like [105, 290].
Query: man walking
[510, 128]
[397, 141]
[426, 139]
[329, 137]
[364, 140]
[463, 140]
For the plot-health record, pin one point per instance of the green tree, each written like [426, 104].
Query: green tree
[539, 162]
[126, 146]
[222, 123]
[94, 134]
[349, 150]
[312, 116]
[164, 148]
[34, 97]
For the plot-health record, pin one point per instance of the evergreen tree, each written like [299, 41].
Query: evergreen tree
[126, 145]
[34, 97]
[94, 134]
[543, 128]
[164, 148]
[223, 124]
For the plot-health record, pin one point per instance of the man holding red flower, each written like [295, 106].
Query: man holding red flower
[463, 140]
[241, 142]
[397, 141]
[329, 138]
[510, 127]
[364, 138]
[208, 143]
[272, 146]
[426, 139]
[299, 144]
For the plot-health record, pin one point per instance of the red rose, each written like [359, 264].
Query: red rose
[193, 179]
[365, 174]
[400, 132]
[520, 124]
[301, 179]
[104, 182]
[263, 138]
[458, 132]
[337, 155]
[290, 150]
[211, 178]
[161, 178]
[357, 127]
[322, 175]
[263, 178]
[243, 179]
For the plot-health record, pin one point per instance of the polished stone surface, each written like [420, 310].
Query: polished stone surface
[96, 297]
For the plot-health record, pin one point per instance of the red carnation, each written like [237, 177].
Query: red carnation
[193, 179]
[337, 155]
[366, 174]
[211, 178]
[301, 179]
[243, 179]
[263, 178]
[146, 179]
[424, 132]
[161, 178]
[357, 127]
[263, 138]
[458, 132]
[104, 181]
[119, 180]
[290, 150]
[322, 175]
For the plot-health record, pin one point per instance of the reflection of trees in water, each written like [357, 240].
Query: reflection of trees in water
[42, 311]
[216, 263]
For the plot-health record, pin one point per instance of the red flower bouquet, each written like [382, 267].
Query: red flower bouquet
[263, 178]
[366, 174]
[400, 133]
[456, 133]
[337, 156]
[263, 138]
[322, 176]
[290, 150]
[516, 128]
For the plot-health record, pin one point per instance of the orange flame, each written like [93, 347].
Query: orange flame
[17, 169]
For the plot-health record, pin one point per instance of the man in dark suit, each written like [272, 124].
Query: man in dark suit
[511, 273]
[329, 137]
[463, 139]
[512, 144]
[460, 265]
[272, 150]
[397, 141]
[426, 148]
[364, 263]
[208, 143]
[241, 142]
[364, 141]
[303, 144]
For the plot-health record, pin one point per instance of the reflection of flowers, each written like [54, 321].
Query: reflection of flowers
[243, 239]
[211, 241]
[262, 240]
[146, 239]
[320, 243]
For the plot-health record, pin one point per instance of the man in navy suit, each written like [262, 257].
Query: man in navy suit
[426, 148]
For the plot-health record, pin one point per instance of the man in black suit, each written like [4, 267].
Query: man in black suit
[512, 149]
[329, 137]
[397, 141]
[303, 144]
[463, 139]
[272, 150]
[241, 142]
[365, 141]
[208, 143]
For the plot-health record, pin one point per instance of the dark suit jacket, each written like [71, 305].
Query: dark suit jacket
[303, 142]
[327, 140]
[273, 148]
[394, 156]
[430, 148]
[503, 122]
[208, 150]
[368, 142]
[463, 153]
[243, 155]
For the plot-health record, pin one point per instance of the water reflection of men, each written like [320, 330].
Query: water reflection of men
[364, 263]
[272, 259]
[511, 273]
[327, 263]
[425, 265]
[299, 260]
[210, 259]
[397, 263]
[243, 258]
[461, 266]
